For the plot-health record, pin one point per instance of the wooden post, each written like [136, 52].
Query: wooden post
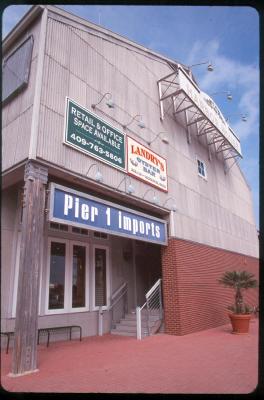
[26, 324]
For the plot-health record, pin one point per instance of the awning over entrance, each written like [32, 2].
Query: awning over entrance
[192, 107]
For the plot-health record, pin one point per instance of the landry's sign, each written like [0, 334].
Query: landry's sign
[146, 165]
[92, 135]
[79, 209]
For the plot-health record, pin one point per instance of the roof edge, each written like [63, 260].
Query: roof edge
[106, 31]
[35, 10]
[30, 16]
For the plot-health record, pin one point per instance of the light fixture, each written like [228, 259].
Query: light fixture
[98, 175]
[140, 122]
[130, 189]
[110, 103]
[164, 139]
[173, 206]
[242, 116]
[228, 94]
[210, 67]
[155, 199]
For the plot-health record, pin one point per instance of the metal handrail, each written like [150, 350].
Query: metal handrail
[153, 288]
[118, 290]
[123, 290]
[153, 302]
[117, 300]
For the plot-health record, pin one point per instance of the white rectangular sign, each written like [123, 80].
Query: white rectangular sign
[193, 93]
[146, 165]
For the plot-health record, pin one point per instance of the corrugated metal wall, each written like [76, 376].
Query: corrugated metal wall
[8, 245]
[84, 66]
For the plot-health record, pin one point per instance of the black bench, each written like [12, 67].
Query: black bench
[54, 329]
[46, 331]
[8, 335]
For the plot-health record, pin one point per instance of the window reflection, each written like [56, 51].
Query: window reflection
[57, 276]
[78, 276]
[100, 277]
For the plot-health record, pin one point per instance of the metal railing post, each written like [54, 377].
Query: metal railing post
[160, 295]
[148, 318]
[126, 303]
[138, 313]
[100, 321]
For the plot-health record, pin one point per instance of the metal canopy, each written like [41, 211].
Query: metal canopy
[179, 95]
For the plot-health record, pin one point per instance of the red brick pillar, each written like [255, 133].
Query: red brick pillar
[170, 290]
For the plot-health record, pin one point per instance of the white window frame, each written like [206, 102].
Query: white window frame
[68, 277]
[204, 166]
[94, 307]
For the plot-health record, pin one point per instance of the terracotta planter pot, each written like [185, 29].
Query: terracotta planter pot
[240, 323]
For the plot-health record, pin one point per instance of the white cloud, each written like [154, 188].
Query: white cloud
[231, 74]
[243, 81]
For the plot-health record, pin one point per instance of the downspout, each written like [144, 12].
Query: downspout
[38, 85]
[172, 224]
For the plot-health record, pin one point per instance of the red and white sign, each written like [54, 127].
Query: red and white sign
[146, 165]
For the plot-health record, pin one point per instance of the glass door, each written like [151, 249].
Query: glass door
[57, 275]
[79, 276]
[100, 276]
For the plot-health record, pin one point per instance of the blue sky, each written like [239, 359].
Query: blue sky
[227, 36]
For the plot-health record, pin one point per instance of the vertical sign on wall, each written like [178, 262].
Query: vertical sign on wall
[92, 135]
[146, 165]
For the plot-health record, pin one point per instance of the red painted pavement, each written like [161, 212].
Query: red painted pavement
[212, 361]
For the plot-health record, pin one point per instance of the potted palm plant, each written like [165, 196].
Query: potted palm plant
[240, 312]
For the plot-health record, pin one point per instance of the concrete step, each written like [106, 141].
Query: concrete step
[128, 325]
[130, 317]
[125, 328]
[133, 317]
[124, 333]
[115, 332]
[127, 322]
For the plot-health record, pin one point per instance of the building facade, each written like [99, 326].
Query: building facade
[116, 170]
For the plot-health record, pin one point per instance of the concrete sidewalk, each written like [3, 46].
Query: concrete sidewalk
[212, 361]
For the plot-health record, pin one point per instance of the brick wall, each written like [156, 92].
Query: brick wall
[193, 298]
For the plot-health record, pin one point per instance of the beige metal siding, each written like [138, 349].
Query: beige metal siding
[84, 66]
[8, 244]
[15, 139]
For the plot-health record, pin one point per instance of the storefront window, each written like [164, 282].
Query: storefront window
[78, 276]
[57, 275]
[67, 276]
[100, 277]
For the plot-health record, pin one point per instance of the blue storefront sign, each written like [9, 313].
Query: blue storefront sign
[79, 209]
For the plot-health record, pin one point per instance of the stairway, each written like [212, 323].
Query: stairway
[128, 325]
